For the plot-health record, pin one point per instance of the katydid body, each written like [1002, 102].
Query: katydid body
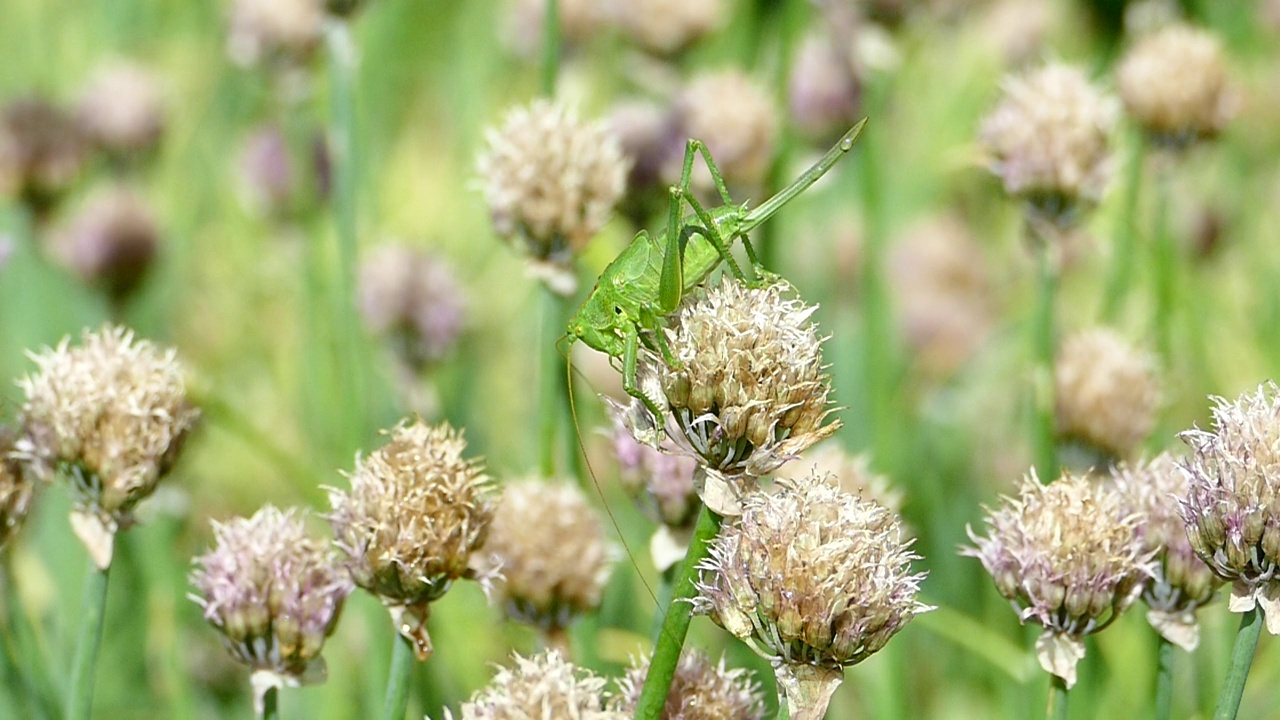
[646, 282]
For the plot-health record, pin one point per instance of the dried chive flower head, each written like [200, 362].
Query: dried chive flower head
[1106, 393]
[738, 121]
[665, 27]
[41, 152]
[1174, 82]
[1049, 139]
[16, 489]
[416, 512]
[549, 546]
[1231, 505]
[111, 242]
[1182, 583]
[700, 690]
[111, 414]
[279, 29]
[122, 109]
[1066, 555]
[414, 299]
[274, 592]
[543, 686]
[749, 391]
[813, 578]
[551, 181]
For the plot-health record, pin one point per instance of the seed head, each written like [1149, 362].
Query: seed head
[41, 152]
[1049, 139]
[1106, 392]
[749, 389]
[543, 686]
[111, 242]
[550, 548]
[273, 591]
[1067, 556]
[288, 29]
[1182, 582]
[666, 27]
[111, 414]
[814, 579]
[16, 489]
[823, 92]
[1232, 504]
[699, 690]
[122, 109]
[551, 181]
[1174, 82]
[414, 298]
[737, 120]
[416, 512]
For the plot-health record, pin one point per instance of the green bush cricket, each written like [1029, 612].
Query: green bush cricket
[647, 280]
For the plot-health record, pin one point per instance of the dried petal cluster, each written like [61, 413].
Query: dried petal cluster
[700, 690]
[1232, 504]
[738, 121]
[550, 547]
[551, 181]
[414, 298]
[1049, 139]
[112, 413]
[1182, 583]
[111, 241]
[665, 27]
[42, 152]
[16, 489]
[542, 686]
[1067, 556]
[122, 110]
[748, 391]
[273, 591]
[1174, 82]
[416, 512]
[1106, 393]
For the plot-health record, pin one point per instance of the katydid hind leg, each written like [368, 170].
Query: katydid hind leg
[711, 231]
[686, 177]
[671, 281]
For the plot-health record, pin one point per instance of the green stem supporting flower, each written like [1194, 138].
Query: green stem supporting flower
[1164, 262]
[401, 670]
[1241, 661]
[1165, 651]
[1057, 709]
[271, 704]
[675, 624]
[84, 666]
[550, 47]
[1043, 348]
[1122, 267]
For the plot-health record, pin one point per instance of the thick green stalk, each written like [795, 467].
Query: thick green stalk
[1057, 699]
[1241, 661]
[675, 625]
[1164, 262]
[1124, 240]
[877, 316]
[1043, 349]
[271, 703]
[401, 670]
[550, 47]
[551, 382]
[84, 666]
[1165, 651]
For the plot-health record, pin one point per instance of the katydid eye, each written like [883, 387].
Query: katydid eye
[617, 310]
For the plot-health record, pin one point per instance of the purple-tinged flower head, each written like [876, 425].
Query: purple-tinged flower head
[700, 690]
[111, 242]
[749, 390]
[1182, 583]
[667, 27]
[551, 182]
[1174, 83]
[274, 592]
[545, 685]
[813, 578]
[1049, 140]
[416, 511]
[412, 298]
[661, 483]
[111, 414]
[824, 92]
[16, 489]
[1106, 392]
[42, 153]
[549, 546]
[1232, 504]
[1066, 555]
[122, 110]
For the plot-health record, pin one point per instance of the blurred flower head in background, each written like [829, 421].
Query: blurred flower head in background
[546, 685]
[122, 110]
[1107, 392]
[42, 153]
[111, 242]
[1175, 84]
[700, 690]
[413, 299]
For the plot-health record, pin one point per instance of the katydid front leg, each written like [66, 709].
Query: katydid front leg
[630, 352]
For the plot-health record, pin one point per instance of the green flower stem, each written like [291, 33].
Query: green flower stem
[675, 625]
[1057, 698]
[401, 670]
[1122, 267]
[550, 47]
[1043, 349]
[1241, 660]
[1164, 677]
[84, 666]
[1163, 261]
[877, 316]
[552, 382]
[271, 704]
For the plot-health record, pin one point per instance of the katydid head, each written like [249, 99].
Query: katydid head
[596, 324]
